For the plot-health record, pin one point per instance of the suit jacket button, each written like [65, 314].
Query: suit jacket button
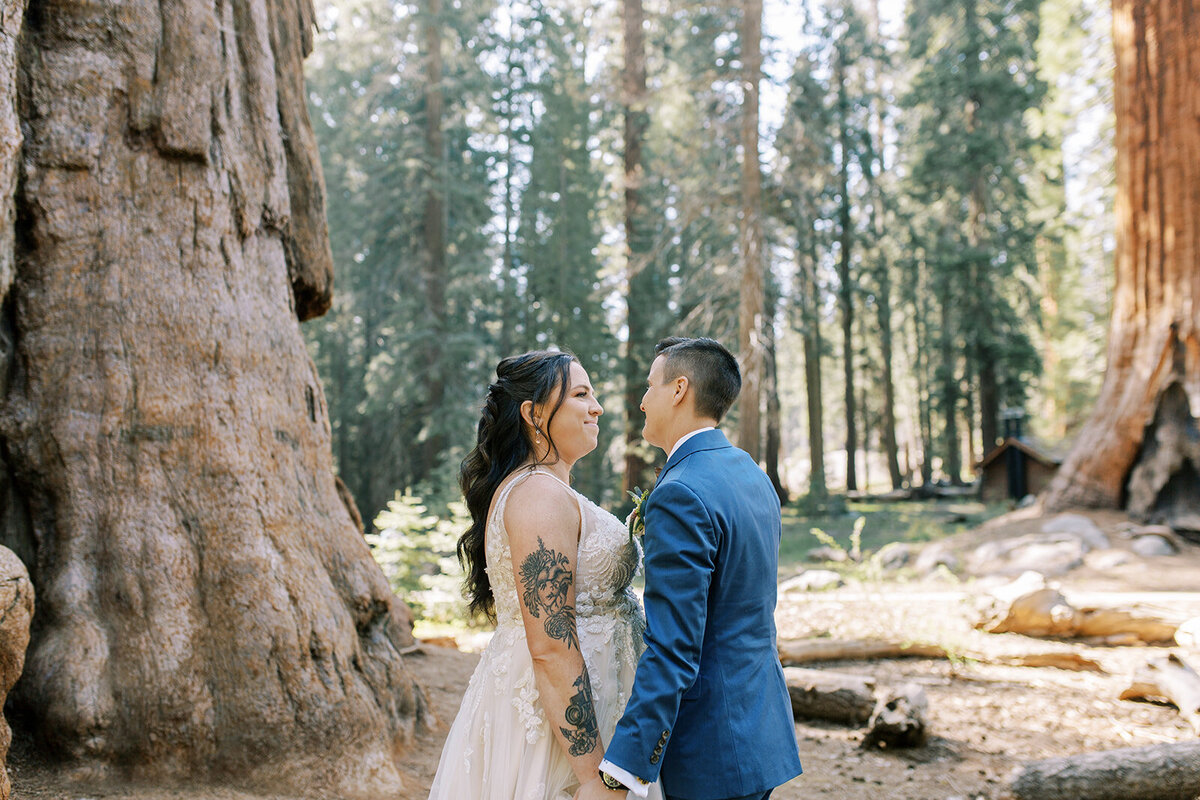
[654, 759]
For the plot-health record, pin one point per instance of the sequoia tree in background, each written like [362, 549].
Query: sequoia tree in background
[206, 607]
[1141, 446]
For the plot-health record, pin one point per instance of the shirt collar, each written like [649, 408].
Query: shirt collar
[687, 436]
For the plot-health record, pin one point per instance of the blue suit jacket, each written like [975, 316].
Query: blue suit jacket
[709, 713]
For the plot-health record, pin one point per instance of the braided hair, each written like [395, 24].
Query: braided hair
[503, 443]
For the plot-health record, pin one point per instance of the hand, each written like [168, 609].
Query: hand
[596, 790]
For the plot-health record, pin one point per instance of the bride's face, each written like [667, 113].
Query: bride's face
[575, 427]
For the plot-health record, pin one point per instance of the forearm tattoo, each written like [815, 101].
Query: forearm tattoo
[547, 578]
[581, 715]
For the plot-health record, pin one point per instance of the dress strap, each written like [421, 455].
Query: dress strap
[526, 473]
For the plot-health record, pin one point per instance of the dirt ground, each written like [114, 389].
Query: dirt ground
[985, 719]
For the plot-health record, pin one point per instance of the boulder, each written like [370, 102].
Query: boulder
[894, 555]
[1079, 526]
[1151, 544]
[16, 613]
[826, 553]
[812, 580]
[1104, 560]
[934, 555]
[1048, 553]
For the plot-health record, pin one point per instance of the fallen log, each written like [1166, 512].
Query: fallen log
[1029, 607]
[833, 696]
[1156, 772]
[793, 652]
[898, 720]
[1067, 661]
[1169, 679]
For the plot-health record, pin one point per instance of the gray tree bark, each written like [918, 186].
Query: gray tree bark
[206, 607]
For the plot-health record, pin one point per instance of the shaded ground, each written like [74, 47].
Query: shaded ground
[985, 719]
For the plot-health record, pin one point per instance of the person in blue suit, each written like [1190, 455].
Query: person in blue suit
[709, 713]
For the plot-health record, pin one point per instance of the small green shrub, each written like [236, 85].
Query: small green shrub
[416, 550]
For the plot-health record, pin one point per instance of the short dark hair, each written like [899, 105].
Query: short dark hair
[711, 370]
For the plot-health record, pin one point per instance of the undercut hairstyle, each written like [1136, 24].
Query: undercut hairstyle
[711, 370]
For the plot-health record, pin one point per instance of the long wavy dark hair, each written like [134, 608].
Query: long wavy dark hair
[503, 443]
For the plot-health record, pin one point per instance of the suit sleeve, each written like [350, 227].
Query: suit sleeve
[681, 550]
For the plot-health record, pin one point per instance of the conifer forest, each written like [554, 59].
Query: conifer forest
[898, 215]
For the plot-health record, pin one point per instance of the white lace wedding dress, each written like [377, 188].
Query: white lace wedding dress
[500, 746]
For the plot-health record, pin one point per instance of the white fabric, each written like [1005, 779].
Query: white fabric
[683, 439]
[633, 783]
[500, 746]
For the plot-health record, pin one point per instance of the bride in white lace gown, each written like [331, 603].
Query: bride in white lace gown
[555, 570]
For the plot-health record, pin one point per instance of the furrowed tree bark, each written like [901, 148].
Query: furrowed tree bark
[750, 310]
[12, 14]
[1153, 341]
[207, 609]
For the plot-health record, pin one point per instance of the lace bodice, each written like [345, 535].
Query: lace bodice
[606, 565]
[501, 746]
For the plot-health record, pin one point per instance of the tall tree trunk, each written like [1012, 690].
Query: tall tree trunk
[948, 378]
[434, 278]
[922, 344]
[206, 607]
[1154, 334]
[750, 311]
[846, 288]
[644, 300]
[883, 269]
[811, 330]
[771, 387]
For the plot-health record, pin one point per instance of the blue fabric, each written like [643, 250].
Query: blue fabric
[709, 714]
[756, 796]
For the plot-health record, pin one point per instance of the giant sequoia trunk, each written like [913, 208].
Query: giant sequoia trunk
[206, 607]
[1141, 442]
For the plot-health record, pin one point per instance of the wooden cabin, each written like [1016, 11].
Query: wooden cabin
[1014, 469]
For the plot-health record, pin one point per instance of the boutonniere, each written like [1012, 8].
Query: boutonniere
[636, 522]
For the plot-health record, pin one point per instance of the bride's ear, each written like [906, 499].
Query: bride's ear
[527, 413]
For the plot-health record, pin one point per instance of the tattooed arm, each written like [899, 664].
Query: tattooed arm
[543, 521]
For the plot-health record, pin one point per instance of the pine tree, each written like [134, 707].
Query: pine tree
[970, 153]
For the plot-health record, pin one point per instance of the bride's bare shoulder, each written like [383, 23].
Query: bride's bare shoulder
[540, 502]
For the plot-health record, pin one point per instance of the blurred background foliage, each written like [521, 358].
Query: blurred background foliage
[936, 190]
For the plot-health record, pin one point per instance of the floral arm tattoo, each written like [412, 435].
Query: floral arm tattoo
[581, 716]
[548, 580]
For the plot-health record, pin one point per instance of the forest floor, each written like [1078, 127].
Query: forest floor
[985, 719]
